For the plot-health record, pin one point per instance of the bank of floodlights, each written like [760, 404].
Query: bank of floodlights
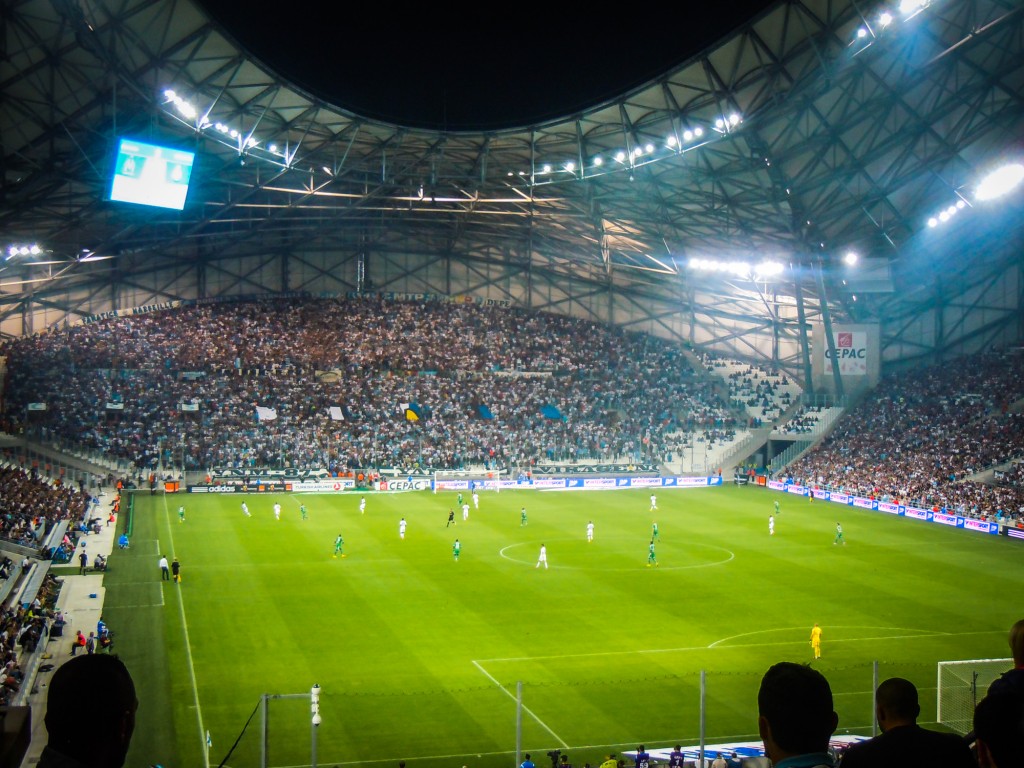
[887, 17]
[673, 145]
[1002, 181]
[14, 251]
[239, 140]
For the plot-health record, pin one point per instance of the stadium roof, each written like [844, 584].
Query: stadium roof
[817, 127]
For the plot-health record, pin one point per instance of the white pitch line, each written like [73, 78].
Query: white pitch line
[526, 709]
[715, 646]
[188, 644]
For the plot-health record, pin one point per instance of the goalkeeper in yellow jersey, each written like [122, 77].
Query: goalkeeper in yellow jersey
[816, 641]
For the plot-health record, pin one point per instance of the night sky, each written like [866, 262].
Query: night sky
[471, 68]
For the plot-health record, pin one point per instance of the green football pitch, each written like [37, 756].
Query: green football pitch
[418, 655]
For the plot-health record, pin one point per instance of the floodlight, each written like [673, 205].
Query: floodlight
[850, 258]
[719, 123]
[1000, 182]
[910, 7]
[570, 166]
[638, 151]
[546, 168]
[620, 156]
[698, 131]
[649, 149]
[598, 161]
[272, 148]
[734, 119]
[933, 222]
[944, 216]
[862, 32]
[670, 141]
[169, 94]
[687, 135]
[885, 19]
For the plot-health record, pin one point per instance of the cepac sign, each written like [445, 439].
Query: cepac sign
[850, 353]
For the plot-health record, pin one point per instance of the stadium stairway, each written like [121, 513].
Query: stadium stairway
[81, 602]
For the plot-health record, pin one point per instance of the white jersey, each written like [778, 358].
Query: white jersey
[654, 501]
[476, 500]
[362, 505]
[401, 529]
[590, 531]
[277, 511]
[245, 509]
[465, 511]
[543, 557]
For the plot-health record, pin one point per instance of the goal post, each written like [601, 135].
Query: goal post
[962, 684]
[468, 480]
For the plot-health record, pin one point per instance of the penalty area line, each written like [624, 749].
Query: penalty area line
[526, 709]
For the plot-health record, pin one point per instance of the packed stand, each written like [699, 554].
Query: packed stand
[921, 433]
[31, 505]
[617, 395]
[809, 420]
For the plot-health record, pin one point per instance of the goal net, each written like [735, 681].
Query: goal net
[468, 480]
[962, 684]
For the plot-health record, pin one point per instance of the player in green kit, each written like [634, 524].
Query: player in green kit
[338, 544]
[181, 514]
[654, 532]
[776, 507]
[460, 500]
[456, 549]
[302, 511]
[651, 559]
[522, 517]
[839, 535]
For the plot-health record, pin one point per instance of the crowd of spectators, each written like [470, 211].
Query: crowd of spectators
[922, 433]
[806, 421]
[29, 506]
[763, 394]
[118, 385]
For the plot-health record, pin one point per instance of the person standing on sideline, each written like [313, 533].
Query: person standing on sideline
[165, 569]
[816, 641]
[902, 741]
[676, 758]
[90, 644]
[401, 528]
[338, 544]
[527, 763]
[451, 518]
[245, 509]
[642, 759]
[456, 550]
[543, 557]
[181, 513]
[839, 535]
[590, 531]
[83, 560]
[176, 570]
